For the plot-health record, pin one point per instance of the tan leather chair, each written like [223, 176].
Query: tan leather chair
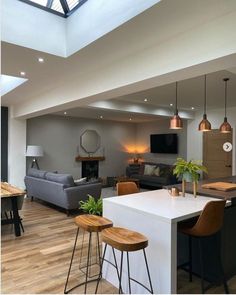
[208, 224]
[126, 188]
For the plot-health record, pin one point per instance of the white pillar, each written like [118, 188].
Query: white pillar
[16, 150]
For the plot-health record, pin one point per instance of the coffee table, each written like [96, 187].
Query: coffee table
[125, 179]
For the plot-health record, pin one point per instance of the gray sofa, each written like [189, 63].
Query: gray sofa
[59, 189]
[166, 176]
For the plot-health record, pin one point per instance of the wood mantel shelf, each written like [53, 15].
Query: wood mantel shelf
[81, 159]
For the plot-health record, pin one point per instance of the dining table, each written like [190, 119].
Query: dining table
[11, 192]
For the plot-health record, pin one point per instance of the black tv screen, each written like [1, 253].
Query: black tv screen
[164, 143]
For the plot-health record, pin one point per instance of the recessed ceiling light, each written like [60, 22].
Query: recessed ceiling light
[130, 119]
[22, 73]
[145, 99]
[192, 108]
[101, 117]
[171, 104]
[65, 113]
[40, 59]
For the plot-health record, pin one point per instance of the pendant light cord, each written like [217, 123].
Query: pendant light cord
[205, 96]
[225, 96]
[176, 99]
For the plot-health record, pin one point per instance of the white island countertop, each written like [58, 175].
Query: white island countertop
[161, 204]
[154, 214]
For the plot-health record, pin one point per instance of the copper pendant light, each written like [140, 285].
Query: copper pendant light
[225, 126]
[204, 125]
[176, 122]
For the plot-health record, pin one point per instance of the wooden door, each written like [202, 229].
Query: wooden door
[217, 161]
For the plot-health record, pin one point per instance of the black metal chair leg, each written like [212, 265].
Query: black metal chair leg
[201, 265]
[72, 257]
[148, 272]
[88, 258]
[22, 227]
[120, 278]
[128, 272]
[100, 274]
[190, 258]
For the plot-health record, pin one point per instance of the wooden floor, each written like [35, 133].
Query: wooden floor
[37, 262]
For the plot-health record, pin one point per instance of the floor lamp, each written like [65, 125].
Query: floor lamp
[34, 151]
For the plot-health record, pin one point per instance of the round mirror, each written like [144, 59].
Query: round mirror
[90, 141]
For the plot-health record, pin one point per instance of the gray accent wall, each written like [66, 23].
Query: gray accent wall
[60, 138]
[143, 132]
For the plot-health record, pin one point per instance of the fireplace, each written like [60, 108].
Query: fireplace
[90, 169]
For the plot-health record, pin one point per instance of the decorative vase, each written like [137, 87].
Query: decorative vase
[183, 187]
[195, 188]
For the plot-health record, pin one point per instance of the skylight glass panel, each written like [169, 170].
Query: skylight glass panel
[56, 5]
[72, 3]
[40, 2]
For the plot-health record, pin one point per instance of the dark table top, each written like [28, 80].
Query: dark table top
[211, 192]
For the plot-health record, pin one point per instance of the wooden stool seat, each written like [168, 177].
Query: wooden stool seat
[124, 239]
[93, 223]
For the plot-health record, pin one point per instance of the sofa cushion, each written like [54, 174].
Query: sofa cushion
[165, 171]
[80, 181]
[36, 173]
[148, 169]
[65, 179]
[156, 171]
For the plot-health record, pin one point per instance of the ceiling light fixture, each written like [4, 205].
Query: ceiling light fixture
[225, 126]
[130, 119]
[145, 99]
[101, 117]
[176, 122]
[192, 108]
[65, 113]
[171, 104]
[205, 125]
[22, 73]
[40, 59]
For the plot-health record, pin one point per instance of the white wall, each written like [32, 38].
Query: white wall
[28, 26]
[60, 138]
[216, 117]
[143, 132]
[96, 18]
[16, 150]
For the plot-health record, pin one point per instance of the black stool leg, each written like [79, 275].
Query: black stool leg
[86, 277]
[128, 272]
[201, 265]
[100, 274]
[72, 257]
[190, 258]
[148, 272]
[116, 266]
[120, 278]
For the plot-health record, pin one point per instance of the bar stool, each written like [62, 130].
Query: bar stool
[90, 224]
[127, 241]
[208, 224]
[126, 188]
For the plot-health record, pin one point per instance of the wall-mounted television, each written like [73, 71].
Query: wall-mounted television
[164, 143]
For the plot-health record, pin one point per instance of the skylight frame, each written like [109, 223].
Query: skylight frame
[64, 4]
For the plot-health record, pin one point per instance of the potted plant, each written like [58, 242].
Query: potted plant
[189, 171]
[92, 206]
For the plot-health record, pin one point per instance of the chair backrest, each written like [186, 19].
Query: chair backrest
[126, 188]
[211, 219]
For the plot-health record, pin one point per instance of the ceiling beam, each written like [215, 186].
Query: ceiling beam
[65, 6]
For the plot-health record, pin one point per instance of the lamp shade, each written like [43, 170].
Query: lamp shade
[34, 151]
[204, 125]
[176, 122]
[225, 126]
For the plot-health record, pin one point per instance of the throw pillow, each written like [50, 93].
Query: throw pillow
[80, 181]
[156, 171]
[148, 169]
[165, 171]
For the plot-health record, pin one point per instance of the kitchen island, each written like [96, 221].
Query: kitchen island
[154, 214]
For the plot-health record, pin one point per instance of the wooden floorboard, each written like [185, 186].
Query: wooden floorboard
[38, 261]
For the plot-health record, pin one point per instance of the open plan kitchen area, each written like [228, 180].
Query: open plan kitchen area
[118, 159]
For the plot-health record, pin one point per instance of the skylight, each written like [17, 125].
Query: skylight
[60, 7]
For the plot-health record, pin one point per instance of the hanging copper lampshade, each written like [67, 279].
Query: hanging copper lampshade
[225, 126]
[204, 125]
[176, 122]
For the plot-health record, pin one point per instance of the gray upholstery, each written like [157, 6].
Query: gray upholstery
[36, 173]
[56, 189]
[166, 174]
